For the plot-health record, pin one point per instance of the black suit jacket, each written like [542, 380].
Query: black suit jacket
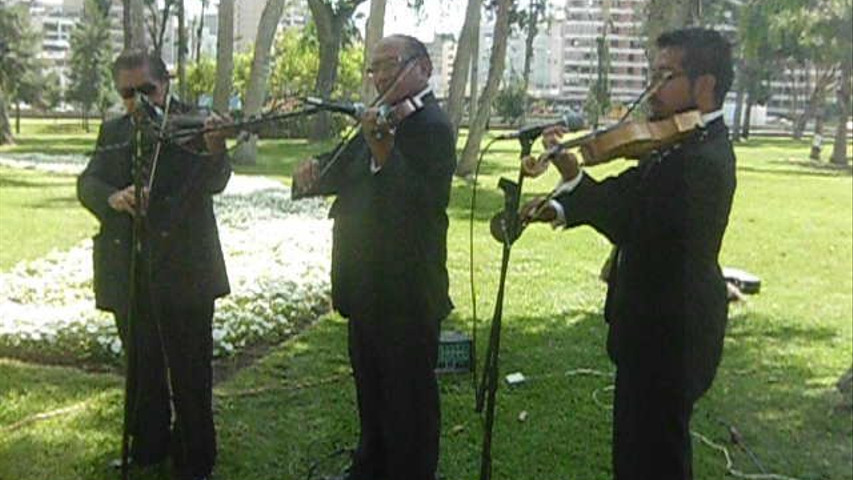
[180, 234]
[666, 302]
[390, 232]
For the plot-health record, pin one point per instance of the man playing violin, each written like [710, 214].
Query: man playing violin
[180, 269]
[392, 187]
[666, 300]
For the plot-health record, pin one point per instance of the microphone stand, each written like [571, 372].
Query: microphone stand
[130, 387]
[486, 393]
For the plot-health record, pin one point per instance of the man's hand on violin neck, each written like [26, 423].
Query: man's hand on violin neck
[215, 140]
[124, 200]
[534, 166]
[551, 136]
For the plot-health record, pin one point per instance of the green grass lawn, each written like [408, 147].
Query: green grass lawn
[792, 224]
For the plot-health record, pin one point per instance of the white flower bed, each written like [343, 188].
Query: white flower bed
[277, 252]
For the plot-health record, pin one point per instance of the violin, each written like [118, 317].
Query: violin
[631, 140]
[388, 118]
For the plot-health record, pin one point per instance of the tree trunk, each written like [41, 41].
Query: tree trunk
[839, 149]
[17, 118]
[158, 32]
[747, 119]
[257, 88]
[224, 55]
[6, 137]
[327, 75]
[739, 96]
[329, 33]
[200, 32]
[133, 21]
[532, 30]
[823, 81]
[182, 51]
[817, 138]
[375, 28]
[475, 72]
[465, 55]
[496, 69]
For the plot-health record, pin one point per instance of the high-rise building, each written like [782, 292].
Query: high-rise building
[546, 64]
[247, 15]
[442, 52]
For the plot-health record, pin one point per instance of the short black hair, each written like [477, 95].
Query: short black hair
[705, 52]
[136, 58]
[413, 48]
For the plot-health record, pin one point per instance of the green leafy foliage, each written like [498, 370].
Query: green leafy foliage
[509, 102]
[19, 45]
[90, 78]
[201, 77]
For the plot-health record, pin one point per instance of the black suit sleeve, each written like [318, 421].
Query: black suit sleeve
[93, 187]
[603, 205]
[217, 172]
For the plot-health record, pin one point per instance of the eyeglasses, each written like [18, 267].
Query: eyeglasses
[144, 89]
[389, 64]
[660, 77]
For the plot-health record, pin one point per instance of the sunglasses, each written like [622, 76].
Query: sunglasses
[144, 89]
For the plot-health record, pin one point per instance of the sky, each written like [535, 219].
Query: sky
[437, 16]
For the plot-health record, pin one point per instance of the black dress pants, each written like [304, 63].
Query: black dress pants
[177, 335]
[651, 424]
[393, 361]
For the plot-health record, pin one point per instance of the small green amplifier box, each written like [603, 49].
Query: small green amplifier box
[455, 353]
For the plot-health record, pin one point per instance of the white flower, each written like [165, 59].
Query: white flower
[277, 253]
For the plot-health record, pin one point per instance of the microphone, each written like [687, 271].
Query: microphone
[355, 110]
[571, 121]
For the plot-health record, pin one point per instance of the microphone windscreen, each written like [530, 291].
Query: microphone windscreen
[573, 121]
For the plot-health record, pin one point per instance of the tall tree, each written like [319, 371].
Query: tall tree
[663, 15]
[200, 31]
[474, 83]
[465, 57]
[375, 29]
[257, 88]
[530, 20]
[133, 21]
[496, 68]
[17, 60]
[29, 90]
[183, 48]
[91, 52]
[224, 55]
[158, 22]
[330, 18]
[845, 90]
[758, 56]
